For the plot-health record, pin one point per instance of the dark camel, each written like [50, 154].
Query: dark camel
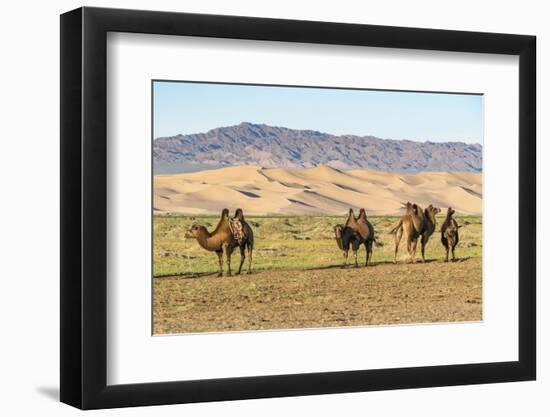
[362, 218]
[413, 224]
[354, 233]
[346, 237]
[449, 234]
[246, 242]
[221, 240]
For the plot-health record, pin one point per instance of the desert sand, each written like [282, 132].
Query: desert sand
[313, 191]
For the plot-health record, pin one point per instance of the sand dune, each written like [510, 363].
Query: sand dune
[319, 190]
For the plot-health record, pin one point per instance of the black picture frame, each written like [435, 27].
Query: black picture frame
[84, 207]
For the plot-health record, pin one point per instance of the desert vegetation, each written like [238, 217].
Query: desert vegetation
[290, 242]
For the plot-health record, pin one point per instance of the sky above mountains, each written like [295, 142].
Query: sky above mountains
[186, 108]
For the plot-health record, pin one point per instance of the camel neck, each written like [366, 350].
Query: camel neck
[203, 238]
[430, 216]
[448, 219]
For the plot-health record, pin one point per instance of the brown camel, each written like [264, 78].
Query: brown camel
[429, 226]
[362, 218]
[355, 232]
[449, 234]
[220, 240]
[413, 224]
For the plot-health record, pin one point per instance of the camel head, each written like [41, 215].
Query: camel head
[434, 210]
[195, 231]
[338, 231]
[450, 211]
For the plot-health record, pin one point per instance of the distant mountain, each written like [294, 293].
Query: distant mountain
[280, 147]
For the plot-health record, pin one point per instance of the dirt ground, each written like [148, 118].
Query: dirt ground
[385, 293]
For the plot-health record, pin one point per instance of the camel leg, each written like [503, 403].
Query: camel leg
[355, 246]
[228, 251]
[243, 256]
[423, 242]
[369, 248]
[398, 236]
[446, 253]
[345, 252]
[249, 259]
[367, 255]
[453, 250]
[220, 262]
[414, 242]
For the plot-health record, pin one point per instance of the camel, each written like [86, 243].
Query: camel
[246, 241]
[449, 234]
[413, 224]
[429, 226]
[222, 240]
[410, 224]
[362, 218]
[355, 232]
[346, 237]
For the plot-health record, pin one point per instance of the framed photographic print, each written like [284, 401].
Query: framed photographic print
[257, 207]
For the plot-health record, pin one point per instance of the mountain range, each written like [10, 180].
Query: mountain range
[280, 147]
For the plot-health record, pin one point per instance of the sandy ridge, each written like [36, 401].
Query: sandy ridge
[320, 190]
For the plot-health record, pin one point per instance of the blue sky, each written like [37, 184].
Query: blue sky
[183, 108]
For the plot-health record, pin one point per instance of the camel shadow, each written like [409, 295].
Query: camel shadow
[321, 268]
[188, 275]
[382, 263]
[191, 275]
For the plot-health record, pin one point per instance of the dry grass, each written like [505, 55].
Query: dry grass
[290, 242]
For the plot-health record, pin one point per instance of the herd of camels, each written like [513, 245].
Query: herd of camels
[417, 223]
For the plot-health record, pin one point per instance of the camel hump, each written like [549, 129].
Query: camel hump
[359, 225]
[225, 213]
[364, 230]
[351, 218]
[239, 214]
